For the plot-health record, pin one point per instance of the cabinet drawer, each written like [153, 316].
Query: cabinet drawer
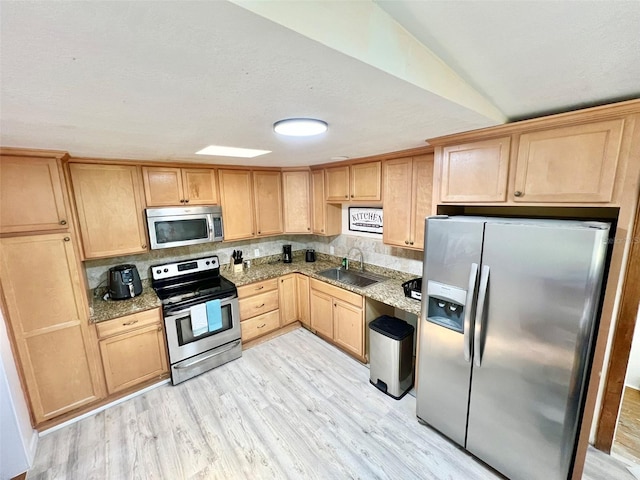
[260, 325]
[258, 287]
[258, 304]
[336, 292]
[128, 323]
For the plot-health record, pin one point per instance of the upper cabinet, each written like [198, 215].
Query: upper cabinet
[110, 209]
[408, 195]
[236, 198]
[296, 201]
[326, 218]
[267, 194]
[165, 186]
[475, 172]
[358, 182]
[31, 196]
[570, 164]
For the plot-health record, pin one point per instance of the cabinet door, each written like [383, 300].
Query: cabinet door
[162, 186]
[200, 187]
[288, 299]
[570, 164]
[321, 308]
[475, 172]
[422, 197]
[326, 218]
[45, 307]
[110, 211]
[366, 181]
[134, 357]
[337, 184]
[31, 195]
[267, 190]
[302, 287]
[348, 327]
[297, 214]
[398, 199]
[237, 204]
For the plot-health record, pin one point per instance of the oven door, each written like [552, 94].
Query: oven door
[183, 344]
[180, 230]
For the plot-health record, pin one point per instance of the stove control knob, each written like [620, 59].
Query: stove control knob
[208, 262]
[158, 271]
[166, 270]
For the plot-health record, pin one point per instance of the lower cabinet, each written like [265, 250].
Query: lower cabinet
[259, 308]
[133, 349]
[288, 299]
[302, 287]
[338, 315]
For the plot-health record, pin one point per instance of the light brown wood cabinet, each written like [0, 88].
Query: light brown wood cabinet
[338, 315]
[571, 164]
[302, 289]
[288, 299]
[259, 308]
[133, 349]
[326, 217]
[110, 209]
[267, 194]
[49, 321]
[406, 208]
[358, 182]
[475, 171]
[236, 198]
[31, 196]
[166, 186]
[296, 201]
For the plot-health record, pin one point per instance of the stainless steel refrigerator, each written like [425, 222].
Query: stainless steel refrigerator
[508, 314]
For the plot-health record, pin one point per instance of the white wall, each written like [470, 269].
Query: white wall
[633, 369]
[18, 441]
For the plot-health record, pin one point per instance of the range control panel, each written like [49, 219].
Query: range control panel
[175, 269]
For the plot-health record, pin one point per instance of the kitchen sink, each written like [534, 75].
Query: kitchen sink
[352, 277]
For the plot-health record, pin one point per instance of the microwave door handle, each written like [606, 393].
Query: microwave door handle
[468, 307]
[210, 225]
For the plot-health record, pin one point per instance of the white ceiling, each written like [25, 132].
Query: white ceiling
[161, 80]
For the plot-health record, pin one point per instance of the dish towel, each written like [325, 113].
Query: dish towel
[214, 315]
[199, 323]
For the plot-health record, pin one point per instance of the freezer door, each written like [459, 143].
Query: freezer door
[451, 249]
[532, 346]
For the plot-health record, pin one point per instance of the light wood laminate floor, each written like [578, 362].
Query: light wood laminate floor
[294, 407]
[627, 441]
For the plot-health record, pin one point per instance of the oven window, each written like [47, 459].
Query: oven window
[185, 332]
[181, 230]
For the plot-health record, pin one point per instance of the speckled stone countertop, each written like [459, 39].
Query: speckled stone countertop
[102, 310]
[389, 291]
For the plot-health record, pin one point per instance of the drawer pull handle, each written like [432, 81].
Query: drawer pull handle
[130, 323]
[260, 306]
[260, 287]
[263, 325]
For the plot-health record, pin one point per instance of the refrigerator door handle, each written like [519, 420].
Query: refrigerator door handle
[471, 291]
[482, 297]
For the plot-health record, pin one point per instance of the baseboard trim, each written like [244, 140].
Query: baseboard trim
[102, 408]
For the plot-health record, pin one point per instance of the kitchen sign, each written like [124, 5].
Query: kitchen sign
[365, 219]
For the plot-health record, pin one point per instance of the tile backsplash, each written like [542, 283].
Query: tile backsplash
[375, 252]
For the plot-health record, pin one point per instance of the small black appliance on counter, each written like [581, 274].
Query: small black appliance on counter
[310, 255]
[124, 282]
[286, 254]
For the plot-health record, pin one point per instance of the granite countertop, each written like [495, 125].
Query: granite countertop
[389, 291]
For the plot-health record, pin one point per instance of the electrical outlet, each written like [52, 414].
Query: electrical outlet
[332, 250]
[256, 252]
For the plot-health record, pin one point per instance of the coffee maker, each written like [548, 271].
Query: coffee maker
[286, 254]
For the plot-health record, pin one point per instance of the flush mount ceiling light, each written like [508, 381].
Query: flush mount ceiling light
[300, 127]
[220, 151]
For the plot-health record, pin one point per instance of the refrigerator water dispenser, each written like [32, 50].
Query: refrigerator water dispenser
[446, 305]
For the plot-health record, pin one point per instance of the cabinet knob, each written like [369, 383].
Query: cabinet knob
[67, 239]
[410, 243]
[159, 328]
[322, 229]
[258, 233]
[181, 200]
[143, 246]
[63, 222]
[308, 228]
[186, 201]
[352, 195]
[518, 193]
[406, 242]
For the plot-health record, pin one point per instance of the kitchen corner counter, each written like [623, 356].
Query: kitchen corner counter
[389, 292]
[103, 310]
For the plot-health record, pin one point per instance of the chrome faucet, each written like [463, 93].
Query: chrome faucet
[361, 257]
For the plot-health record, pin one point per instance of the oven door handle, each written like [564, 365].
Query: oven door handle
[200, 360]
[223, 303]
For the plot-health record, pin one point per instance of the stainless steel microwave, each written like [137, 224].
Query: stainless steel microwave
[179, 226]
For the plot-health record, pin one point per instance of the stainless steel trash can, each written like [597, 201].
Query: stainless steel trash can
[391, 355]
